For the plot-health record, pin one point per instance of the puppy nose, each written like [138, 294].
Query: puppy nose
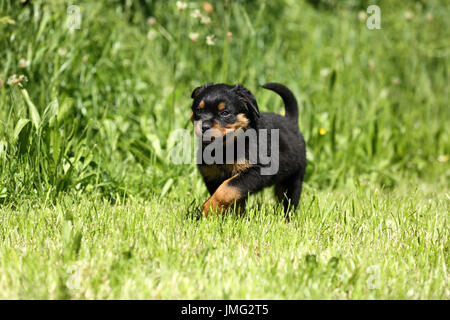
[205, 126]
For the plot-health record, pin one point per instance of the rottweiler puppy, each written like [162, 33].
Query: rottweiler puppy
[243, 150]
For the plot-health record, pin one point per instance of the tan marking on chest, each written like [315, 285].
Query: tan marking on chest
[215, 171]
[236, 168]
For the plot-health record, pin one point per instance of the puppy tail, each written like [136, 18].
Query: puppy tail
[290, 103]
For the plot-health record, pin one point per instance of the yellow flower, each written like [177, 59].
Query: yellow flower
[443, 158]
[322, 131]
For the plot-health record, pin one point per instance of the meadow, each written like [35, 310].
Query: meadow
[91, 207]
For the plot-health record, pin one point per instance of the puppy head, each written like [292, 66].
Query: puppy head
[223, 108]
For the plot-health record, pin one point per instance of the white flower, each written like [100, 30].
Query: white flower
[62, 51]
[151, 35]
[362, 16]
[395, 80]
[14, 79]
[229, 36]
[210, 40]
[206, 20]
[23, 63]
[325, 72]
[408, 15]
[181, 5]
[196, 14]
[151, 21]
[193, 36]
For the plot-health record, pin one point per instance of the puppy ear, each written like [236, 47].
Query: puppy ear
[198, 90]
[248, 98]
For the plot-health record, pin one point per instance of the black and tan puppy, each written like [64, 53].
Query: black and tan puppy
[227, 109]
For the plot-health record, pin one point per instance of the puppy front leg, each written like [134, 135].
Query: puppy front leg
[236, 189]
[225, 195]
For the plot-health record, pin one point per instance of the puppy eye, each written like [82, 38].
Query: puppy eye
[224, 113]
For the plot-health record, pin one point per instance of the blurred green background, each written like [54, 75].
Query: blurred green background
[106, 98]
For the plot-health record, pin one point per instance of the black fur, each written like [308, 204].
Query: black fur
[292, 150]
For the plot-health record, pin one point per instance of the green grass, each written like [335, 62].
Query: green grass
[91, 206]
[152, 249]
